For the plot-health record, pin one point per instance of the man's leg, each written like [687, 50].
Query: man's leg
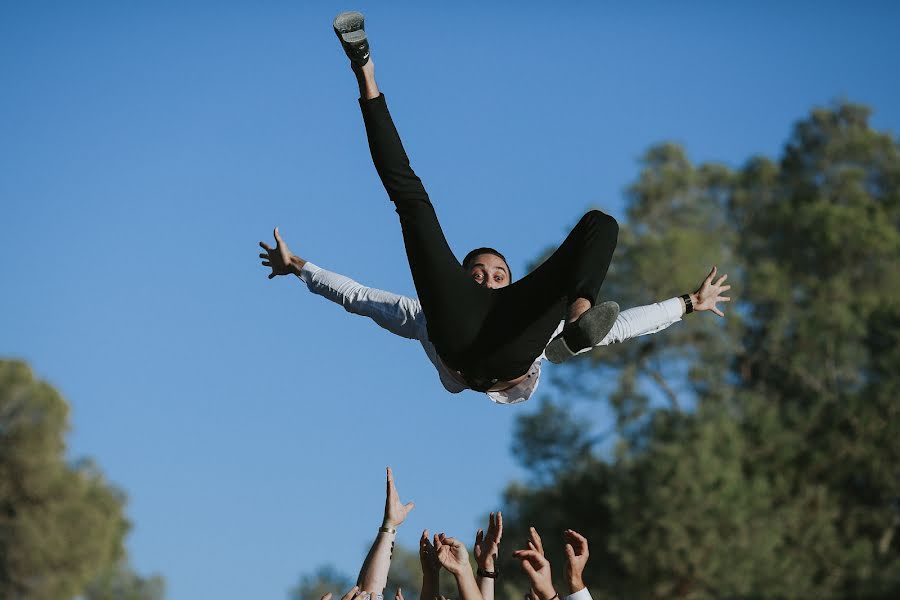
[526, 313]
[454, 305]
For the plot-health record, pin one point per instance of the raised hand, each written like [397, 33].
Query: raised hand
[452, 554]
[576, 558]
[537, 567]
[709, 294]
[280, 259]
[488, 546]
[394, 510]
[431, 566]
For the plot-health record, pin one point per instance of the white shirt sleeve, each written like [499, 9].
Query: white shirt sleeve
[400, 315]
[638, 321]
[644, 320]
[582, 594]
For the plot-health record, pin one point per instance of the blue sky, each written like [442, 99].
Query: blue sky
[148, 147]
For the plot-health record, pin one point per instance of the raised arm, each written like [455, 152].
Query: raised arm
[576, 559]
[453, 556]
[374, 572]
[431, 568]
[537, 568]
[486, 550]
[398, 314]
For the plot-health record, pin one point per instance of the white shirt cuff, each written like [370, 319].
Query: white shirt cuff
[582, 594]
[307, 271]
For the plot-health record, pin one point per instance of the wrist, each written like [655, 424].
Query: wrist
[548, 594]
[296, 264]
[388, 528]
[575, 585]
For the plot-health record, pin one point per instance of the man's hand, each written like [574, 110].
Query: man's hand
[576, 558]
[710, 293]
[488, 546]
[394, 510]
[537, 567]
[452, 554]
[280, 259]
[431, 566]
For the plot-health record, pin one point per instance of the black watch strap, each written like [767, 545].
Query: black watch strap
[488, 574]
[688, 304]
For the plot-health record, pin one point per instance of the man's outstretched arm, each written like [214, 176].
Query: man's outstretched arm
[644, 320]
[398, 314]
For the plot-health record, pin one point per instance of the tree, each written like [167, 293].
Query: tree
[759, 456]
[122, 583]
[61, 524]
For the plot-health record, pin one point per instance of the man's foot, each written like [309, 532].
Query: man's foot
[585, 332]
[350, 28]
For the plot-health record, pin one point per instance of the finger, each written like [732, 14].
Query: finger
[723, 299]
[578, 539]
[570, 552]
[264, 255]
[532, 555]
[718, 312]
[399, 594]
[499, 521]
[277, 236]
[266, 263]
[537, 539]
[271, 275]
[725, 288]
[351, 593]
[265, 246]
[326, 596]
[711, 275]
[479, 536]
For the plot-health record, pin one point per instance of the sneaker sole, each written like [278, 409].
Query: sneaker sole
[594, 324]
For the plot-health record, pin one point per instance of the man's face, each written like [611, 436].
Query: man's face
[490, 271]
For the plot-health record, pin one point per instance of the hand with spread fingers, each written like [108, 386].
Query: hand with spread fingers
[280, 258]
[487, 547]
[576, 558]
[709, 294]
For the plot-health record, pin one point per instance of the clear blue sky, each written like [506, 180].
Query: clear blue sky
[146, 147]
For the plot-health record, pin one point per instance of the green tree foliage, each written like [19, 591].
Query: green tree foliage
[757, 456]
[121, 583]
[323, 580]
[60, 524]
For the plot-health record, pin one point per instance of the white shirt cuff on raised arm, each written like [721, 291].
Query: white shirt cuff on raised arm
[582, 594]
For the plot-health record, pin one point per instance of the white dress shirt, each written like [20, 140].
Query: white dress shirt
[403, 316]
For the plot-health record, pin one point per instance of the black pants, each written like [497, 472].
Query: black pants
[486, 334]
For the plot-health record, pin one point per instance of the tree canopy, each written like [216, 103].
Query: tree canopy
[62, 525]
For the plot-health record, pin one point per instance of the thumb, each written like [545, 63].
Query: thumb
[570, 551]
[409, 506]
